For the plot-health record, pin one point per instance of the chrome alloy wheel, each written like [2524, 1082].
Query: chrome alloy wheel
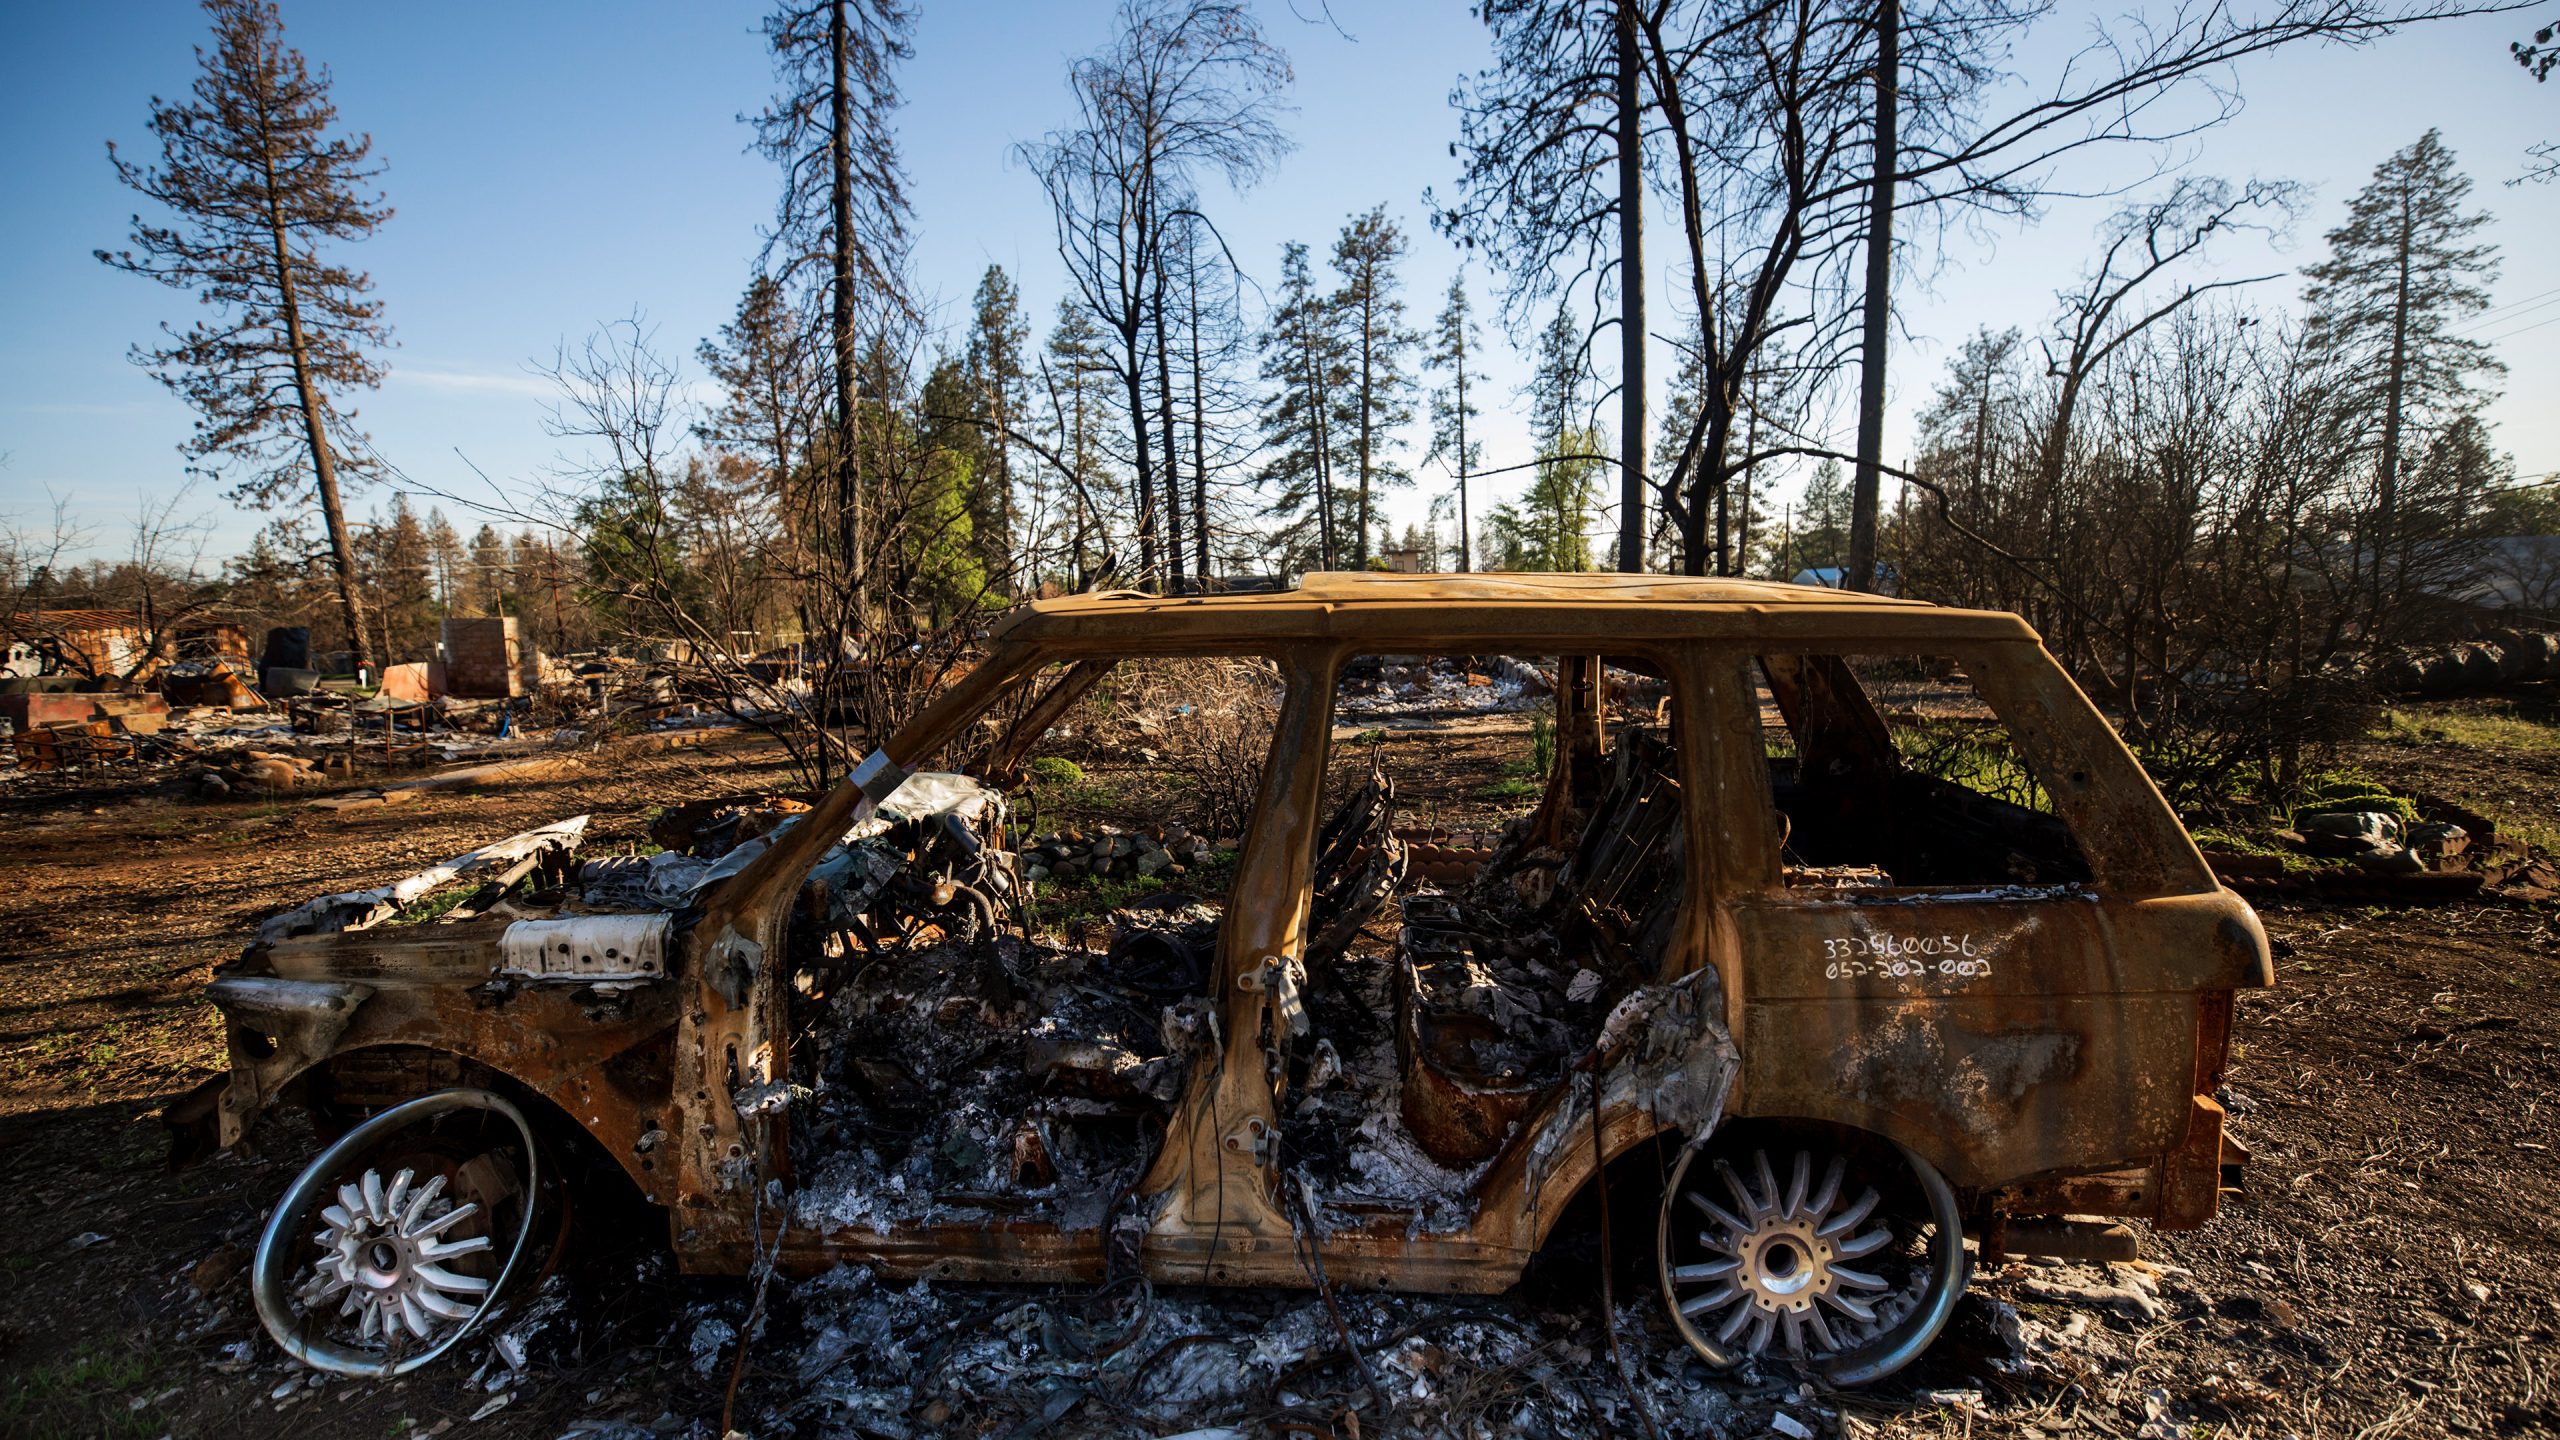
[359, 1275]
[382, 1250]
[1809, 1266]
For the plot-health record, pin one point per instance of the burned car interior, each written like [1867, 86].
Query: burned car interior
[1727, 876]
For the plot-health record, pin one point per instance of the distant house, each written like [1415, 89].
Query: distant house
[94, 643]
[1835, 577]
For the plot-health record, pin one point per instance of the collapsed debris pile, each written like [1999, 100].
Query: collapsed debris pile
[185, 724]
[962, 1083]
[1109, 852]
[2498, 658]
[861, 1356]
[1380, 687]
[2353, 840]
[849, 1354]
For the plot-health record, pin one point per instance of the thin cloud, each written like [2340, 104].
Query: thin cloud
[475, 382]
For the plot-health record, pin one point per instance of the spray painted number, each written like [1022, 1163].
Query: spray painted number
[1903, 957]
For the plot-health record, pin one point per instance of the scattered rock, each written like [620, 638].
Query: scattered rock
[217, 1269]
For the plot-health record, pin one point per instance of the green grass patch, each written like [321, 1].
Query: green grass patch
[2241, 842]
[1977, 756]
[1063, 789]
[91, 1394]
[1509, 787]
[436, 905]
[1089, 898]
[2501, 729]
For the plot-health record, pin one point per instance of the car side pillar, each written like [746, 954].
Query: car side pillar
[1217, 1171]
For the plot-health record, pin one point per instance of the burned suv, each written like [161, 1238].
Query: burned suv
[1849, 918]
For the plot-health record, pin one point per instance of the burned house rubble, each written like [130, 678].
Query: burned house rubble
[1853, 1018]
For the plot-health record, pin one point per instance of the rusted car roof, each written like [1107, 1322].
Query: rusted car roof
[1450, 609]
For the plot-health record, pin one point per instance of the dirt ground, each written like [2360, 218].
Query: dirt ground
[2393, 1269]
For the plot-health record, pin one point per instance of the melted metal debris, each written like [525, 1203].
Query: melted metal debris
[357, 909]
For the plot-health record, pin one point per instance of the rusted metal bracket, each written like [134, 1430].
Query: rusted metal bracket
[1283, 979]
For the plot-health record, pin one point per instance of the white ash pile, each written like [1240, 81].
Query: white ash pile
[1106, 852]
[1382, 687]
[848, 1354]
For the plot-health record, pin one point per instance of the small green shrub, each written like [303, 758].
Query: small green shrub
[2341, 791]
[1055, 770]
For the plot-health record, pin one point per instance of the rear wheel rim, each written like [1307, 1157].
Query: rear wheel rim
[1791, 1253]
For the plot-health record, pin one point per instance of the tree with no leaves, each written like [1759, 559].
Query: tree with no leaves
[2003, 161]
[1185, 90]
[257, 184]
[1552, 181]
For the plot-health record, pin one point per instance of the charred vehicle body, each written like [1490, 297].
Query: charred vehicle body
[1864, 1012]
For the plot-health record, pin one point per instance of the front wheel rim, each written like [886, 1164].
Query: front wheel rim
[351, 1247]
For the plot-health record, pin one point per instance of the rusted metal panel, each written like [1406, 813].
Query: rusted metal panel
[587, 948]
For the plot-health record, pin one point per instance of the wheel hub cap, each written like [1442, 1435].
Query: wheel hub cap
[1785, 1261]
[383, 1253]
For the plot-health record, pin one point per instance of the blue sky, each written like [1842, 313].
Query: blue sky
[557, 165]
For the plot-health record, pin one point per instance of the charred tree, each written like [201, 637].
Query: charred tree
[1183, 91]
[1552, 183]
[840, 231]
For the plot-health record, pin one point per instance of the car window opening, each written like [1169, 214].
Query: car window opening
[1004, 1026]
[1892, 772]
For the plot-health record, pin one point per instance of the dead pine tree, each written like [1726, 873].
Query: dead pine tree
[1933, 145]
[1552, 178]
[840, 231]
[257, 185]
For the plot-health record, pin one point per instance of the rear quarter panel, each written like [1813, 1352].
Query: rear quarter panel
[2000, 1038]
